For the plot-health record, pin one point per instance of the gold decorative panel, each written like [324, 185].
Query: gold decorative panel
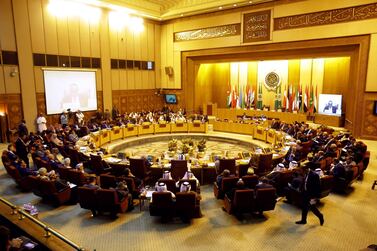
[349, 14]
[142, 100]
[370, 120]
[13, 108]
[257, 26]
[206, 33]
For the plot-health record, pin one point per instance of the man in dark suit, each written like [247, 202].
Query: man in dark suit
[21, 149]
[310, 193]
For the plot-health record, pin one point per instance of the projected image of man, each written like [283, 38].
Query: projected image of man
[74, 99]
[330, 107]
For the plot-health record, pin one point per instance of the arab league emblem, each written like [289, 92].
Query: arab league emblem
[272, 81]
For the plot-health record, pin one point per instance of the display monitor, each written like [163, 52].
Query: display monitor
[70, 90]
[330, 104]
[170, 98]
[375, 108]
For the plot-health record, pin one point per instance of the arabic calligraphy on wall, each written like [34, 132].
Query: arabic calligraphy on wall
[206, 33]
[355, 13]
[256, 26]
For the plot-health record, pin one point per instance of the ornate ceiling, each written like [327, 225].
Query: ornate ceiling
[169, 9]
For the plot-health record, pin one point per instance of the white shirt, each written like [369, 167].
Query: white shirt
[41, 122]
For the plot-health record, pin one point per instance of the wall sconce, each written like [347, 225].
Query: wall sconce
[14, 72]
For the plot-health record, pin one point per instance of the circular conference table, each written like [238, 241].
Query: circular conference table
[252, 136]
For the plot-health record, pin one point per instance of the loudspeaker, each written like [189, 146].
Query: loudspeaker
[169, 70]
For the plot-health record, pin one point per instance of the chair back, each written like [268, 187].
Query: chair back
[243, 201]
[46, 188]
[327, 183]
[242, 169]
[131, 185]
[95, 163]
[87, 198]
[162, 200]
[74, 156]
[250, 180]
[265, 199]
[228, 183]
[264, 164]
[229, 164]
[117, 170]
[107, 181]
[178, 169]
[107, 199]
[63, 173]
[138, 167]
[13, 172]
[170, 185]
[76, 177]
[185, 204]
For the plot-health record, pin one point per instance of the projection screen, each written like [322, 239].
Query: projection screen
[69, 89]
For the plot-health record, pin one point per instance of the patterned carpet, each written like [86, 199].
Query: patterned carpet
[350, 223]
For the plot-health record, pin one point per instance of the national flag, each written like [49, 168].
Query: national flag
[247, 96]
[311, 100]
[306, 94]
[315, 99]
[229, 97]
[234, 98]
[291, 98]
[279, 97]
[252, 96]
[285, 100]
[260, 97]
[298, 98]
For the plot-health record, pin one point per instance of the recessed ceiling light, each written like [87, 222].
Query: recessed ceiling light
[181, 15]
[235, 5]
[221, 7]
[250, 1]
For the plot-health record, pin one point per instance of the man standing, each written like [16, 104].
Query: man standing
[21, 149]
[64, 119]
[41, 123]
[22, 128]
[310, 193]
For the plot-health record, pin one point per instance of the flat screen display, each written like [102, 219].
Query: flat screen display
[330, 104]
[74, 90]
[375, 108]
[170, 98]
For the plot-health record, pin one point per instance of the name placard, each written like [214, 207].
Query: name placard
[256, 26]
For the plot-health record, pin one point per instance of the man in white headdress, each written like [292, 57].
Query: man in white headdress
[190, 176]
[293, 165]
[279, 168]
[161, 187]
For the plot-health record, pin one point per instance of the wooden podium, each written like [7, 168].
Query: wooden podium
[329, 120]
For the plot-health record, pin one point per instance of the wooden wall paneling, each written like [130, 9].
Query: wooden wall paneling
[84, 38]
[371, 83]
[2, 82]
[114, 44]
[104, 54]
[12, 84]
[122, 42]
[36, 26]
[151, 79]
[26, 71]
[144, 44]
[95, 40]
[14, 109]
[131, 79]
[203, 84]
[130, 47]
[220, 84]
[164, 56]
[151, 41]
[170, 57]
[100, 100]
[38, 78]
[99, 80]
[50, 30]
[7, 34]
[137, 45]
[115, 79]
[370, 120]
[74, 35]
[122, 79]
[157, 55]
[137, 80]
[336, 75]
[176, 80]
[63, 35]
[144, 80]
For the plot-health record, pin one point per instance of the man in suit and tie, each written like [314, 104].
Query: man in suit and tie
[310, 193]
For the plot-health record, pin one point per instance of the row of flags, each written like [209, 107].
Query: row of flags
[295, 99]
